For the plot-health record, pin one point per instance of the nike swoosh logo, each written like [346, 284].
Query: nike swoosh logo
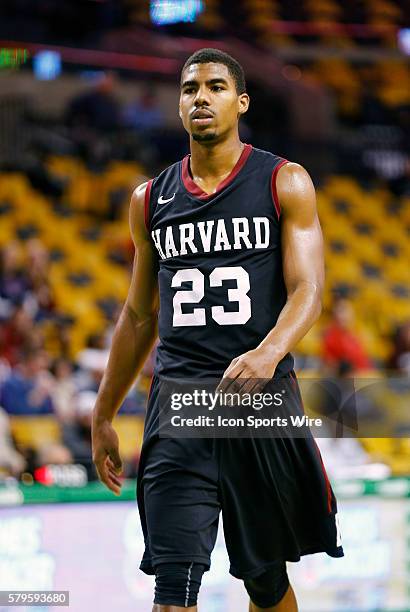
[161, 200]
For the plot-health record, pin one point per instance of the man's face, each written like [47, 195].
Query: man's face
[209, 104]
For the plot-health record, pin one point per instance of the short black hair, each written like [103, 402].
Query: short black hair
[205, 56]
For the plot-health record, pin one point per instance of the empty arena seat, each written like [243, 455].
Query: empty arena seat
[130, 430]
[35, 431]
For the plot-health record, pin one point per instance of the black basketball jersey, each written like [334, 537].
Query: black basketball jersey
[220, 274]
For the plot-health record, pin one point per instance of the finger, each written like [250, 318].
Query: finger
[114, 478]
[111, 484]
[236, 384]
[260, 384]
[99, 458]
[110, 464]
[230, 368]
[105, 478]
[115, 459]
[229, 375]
[248, 386]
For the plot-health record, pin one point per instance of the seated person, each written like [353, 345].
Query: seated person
[27, 390]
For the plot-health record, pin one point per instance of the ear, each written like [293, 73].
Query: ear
[243, 103]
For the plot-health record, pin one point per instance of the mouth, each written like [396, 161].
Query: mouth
[202, 117]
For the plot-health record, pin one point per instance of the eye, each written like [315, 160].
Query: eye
[217, 88]
[188, 90]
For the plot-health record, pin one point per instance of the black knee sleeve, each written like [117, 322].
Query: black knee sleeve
[177, 584]
[269, 588]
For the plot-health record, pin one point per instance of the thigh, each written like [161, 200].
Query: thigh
[180, 490]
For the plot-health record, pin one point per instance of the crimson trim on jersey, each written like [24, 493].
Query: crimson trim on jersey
[146, 203]
[328, 488]
[196, 191]
[296, 387]
[273, 186]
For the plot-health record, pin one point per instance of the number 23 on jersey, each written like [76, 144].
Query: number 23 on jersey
[198, 316]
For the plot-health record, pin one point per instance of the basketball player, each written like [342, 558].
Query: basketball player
[229, 263]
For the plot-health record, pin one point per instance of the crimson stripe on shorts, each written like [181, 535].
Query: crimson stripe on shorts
[328, 488]
[297, 390]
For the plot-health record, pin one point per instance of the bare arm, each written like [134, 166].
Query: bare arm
[303, 270]
[303, 261]
[133, 338]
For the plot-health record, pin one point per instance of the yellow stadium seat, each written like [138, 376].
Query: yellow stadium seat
[311, 343]
[366, 249]
[14, 186]
[130, 430]
[7, 230]
[35, 431]
[342, 268]
[397, 271]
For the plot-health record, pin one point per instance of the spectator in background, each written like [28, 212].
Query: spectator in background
[92, 362]
[144, 134]
[63, 391]
[97, 108]
[77, 434]
[53, 453]
[399, 360]
[15, 334]
[45, 307]
[5, 368]
[40, 302]
[144, 114]
[12, 463]
[13, 279]
[38, 263]
[340, 341]
[92, 117]
[63, 336]
[27, 391]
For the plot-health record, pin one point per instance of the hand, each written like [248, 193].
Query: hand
[249, 372]
[106, 455]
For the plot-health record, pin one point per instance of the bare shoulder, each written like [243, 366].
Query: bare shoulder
[137, 212]
[295, 188]
[293, 177]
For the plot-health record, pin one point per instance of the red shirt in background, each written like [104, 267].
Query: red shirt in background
[340, 344]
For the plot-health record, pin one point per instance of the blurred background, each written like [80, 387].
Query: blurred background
[88, 110]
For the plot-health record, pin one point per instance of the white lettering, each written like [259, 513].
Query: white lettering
[170, 248]
[206, 235]
[221, 237]
[212, 235]
[258, 222]
[241, 234]
[186, 236]
[301, 421]
[155, 236]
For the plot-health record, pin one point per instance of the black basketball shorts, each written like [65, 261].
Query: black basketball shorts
[276, 500]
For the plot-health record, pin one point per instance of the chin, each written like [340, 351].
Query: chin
[206, 137]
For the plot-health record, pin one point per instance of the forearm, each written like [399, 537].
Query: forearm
[301, 311]
[132, 341]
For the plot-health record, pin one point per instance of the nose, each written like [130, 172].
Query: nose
[202, 97]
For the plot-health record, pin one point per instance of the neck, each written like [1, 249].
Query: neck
[214, 160]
